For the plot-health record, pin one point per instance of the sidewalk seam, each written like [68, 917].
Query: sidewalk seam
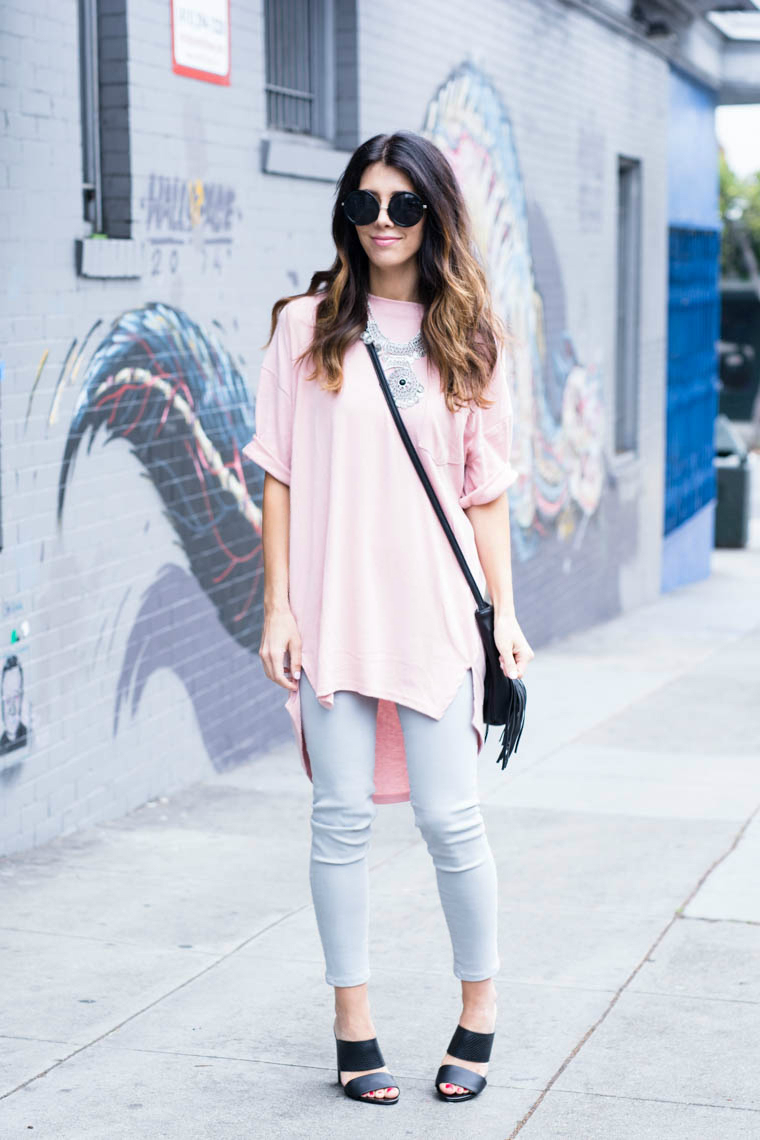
[175, 989]
[661, 1100]
[592, 1028]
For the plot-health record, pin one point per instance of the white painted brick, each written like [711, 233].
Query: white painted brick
[559, 73]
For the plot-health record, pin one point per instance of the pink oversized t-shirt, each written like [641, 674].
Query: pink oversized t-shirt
[378, 596]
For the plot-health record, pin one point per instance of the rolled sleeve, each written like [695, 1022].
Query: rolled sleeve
[488, 470]
[272, 441]
[271, 445]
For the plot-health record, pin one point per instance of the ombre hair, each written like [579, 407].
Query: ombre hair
[460, 330]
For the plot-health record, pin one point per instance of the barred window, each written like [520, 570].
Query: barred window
[311, 72]
[295, 32]
[104, 100]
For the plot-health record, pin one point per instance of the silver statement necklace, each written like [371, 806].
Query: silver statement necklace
[405, 387]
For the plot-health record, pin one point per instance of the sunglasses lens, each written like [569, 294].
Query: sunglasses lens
[360, 207]
[405, 209]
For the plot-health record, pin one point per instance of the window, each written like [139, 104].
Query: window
[628, 278]
[311, 72]
[92, 184]
[106, 177]
[295, 40]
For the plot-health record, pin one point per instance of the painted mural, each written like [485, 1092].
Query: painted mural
[168, 386]
[15, 709]
[559, 420]
[14, 729]
[189, 224]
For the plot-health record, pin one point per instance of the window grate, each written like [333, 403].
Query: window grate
[294, 34]
[92, 180]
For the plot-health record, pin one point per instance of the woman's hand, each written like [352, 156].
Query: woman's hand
[514, 651]
[280, 636]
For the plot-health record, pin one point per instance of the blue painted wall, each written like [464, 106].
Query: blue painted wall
[692, 154]
[693, 327]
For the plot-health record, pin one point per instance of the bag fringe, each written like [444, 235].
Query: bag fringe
[513, 729]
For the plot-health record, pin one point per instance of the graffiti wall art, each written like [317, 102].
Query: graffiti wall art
[183, 217]
[14, 728]
[169, 387]
[15, 709]
[559, 421]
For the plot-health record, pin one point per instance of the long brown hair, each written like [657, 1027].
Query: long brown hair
[460, 330]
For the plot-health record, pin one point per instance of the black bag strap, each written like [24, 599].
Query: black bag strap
[482, 604]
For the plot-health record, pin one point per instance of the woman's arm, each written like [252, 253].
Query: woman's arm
[280, 634]
[490, 522]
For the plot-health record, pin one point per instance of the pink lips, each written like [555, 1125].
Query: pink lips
[385, 241]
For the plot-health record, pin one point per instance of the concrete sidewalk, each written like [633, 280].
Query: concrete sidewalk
[162, 975]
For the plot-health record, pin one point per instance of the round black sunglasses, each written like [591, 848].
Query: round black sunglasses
[404, 209]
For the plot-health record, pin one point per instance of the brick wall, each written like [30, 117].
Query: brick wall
[137, 645]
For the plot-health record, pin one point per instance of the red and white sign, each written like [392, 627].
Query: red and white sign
[201, 39]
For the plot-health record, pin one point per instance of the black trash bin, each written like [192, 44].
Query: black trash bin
[733, 486]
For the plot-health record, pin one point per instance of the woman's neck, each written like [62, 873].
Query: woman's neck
[395, 285]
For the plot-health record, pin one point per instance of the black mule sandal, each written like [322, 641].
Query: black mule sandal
[353, 1055]
[467, 1045]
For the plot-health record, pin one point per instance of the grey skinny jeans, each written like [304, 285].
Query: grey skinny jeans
[442, 765]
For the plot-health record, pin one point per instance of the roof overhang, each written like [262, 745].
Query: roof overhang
[667, 17]
[718, 43]
[740, 73]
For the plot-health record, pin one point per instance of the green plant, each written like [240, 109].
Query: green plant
[740, 213]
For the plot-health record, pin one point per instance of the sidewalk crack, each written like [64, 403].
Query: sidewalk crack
[156, 1001]
[618, 993]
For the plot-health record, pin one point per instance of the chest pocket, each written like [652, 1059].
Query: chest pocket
[440, 431]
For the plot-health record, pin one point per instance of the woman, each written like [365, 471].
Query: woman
[368, 619]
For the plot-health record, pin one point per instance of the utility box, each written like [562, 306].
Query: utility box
[733, 486]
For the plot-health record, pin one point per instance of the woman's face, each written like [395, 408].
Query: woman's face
[387, 245]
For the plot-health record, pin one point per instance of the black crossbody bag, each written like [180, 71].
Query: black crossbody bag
[504, 699]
